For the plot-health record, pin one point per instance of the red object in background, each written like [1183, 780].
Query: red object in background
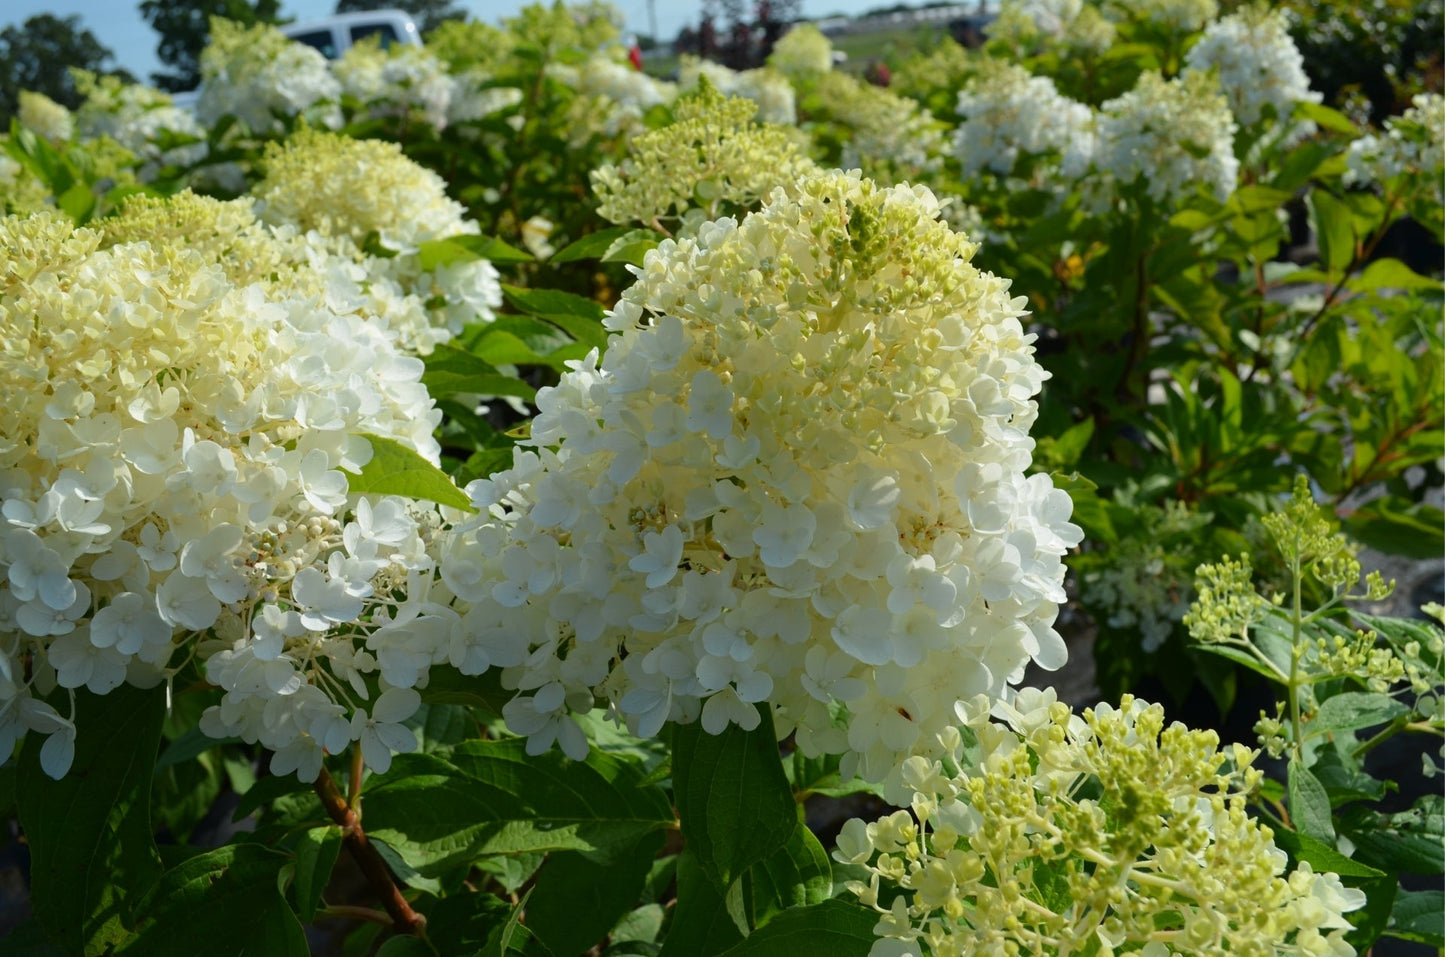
[634, 56]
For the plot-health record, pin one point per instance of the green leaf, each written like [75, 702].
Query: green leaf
[453, 249]
[1411, 840]
[450, 370]
[631, 248]
[1309, 804]
[226, 903]
[1352, 710]
[701, 926]
[732, 796]
[798, 875]
[1321, 856]
[29, 940]
[91, 850]
[1397, 526]
[395, 469]
[580, 318]
[594, 245]
[491, 797]
[1419, 916]
[1335, 231]
[315, 857]
[831, 928]
[189, 746]
[1371, 920]
[576, 901]
[1326, 118]
[1393, 275]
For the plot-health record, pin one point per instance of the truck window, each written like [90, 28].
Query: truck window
[321, 40]
[383, 30]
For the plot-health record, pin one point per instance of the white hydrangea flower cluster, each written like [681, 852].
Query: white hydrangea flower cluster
[796, 478]
[1413, 143]
[135, 116]
[1070, 23]
[1260, 69]
[173, 464]
[889, 133]
[1001, 853]
[405, 79]
[44, 117]
[1175, 134]
[255, 73]
[1007, 112]
[1179, 16]
[768, 88]
[802, 51]
[472, 97]
[612, 96]
[367, 189]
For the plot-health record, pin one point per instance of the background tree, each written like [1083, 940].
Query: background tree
[428, 14]
[38, 56]
[185, 26]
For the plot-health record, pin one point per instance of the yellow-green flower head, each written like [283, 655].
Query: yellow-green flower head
[44, 117]
[1004, 856]
[172, 458]
[465, 45]
[1180, 16]
[135, 116]
[612, 96]
[796, 477]
[21, 191]
[802, 51]
[712, 152]
[1174, 134]
[403, 79]
[1066, 23]
[552, 28]
[257, 72]
[768, 88]
[362, 190]
[356, 188]
[886, 135]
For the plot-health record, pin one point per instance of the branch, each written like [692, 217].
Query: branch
[404, 919]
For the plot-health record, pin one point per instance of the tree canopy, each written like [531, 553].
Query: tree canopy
[428, 14]
[38, 54]
[185, 25]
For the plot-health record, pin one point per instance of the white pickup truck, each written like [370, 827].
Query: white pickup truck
[334, 35]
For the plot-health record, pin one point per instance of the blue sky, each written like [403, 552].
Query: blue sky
[118, 24]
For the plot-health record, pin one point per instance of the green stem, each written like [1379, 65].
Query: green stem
[1296, 651]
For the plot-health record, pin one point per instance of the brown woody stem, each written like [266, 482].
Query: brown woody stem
[404, 920]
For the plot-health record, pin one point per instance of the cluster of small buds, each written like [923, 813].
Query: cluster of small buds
[1260, 70]
[803, 51]
[1412, 145]
[173, 472]
[769, 89]
[44, 117]
[1007, 114]
[887, 136]
[796, 477]
[136, 116]
[1176, 16]
[255, 73]
[1176, 135]
[403, 79]
[368, 190]
[711, 150]
[612, 96]
[1002, 851]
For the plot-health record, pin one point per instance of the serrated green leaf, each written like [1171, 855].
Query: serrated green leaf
[316, 855]
[1325, 118]
[732, 796]
[1419, 916]
[453, 249]
[580, 318]
[91, 850]
[1322, 857]
[1393, 275]
[797, 875]
[224, 902]
[1398, 527]
[188, 746]
[576, 901]
[395, 469]
[1352, 710]
[1335, 231]
[591, 246]
[450, 370]
[832, 928]
[701, 926]
[631, 248]
[491, 797]
[1309, 804]
[1412, 841]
